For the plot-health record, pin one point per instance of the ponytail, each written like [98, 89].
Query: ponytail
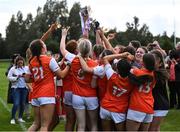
[36, 48]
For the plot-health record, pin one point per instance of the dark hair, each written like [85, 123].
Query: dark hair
[18, 58]
[139, 80]
[149, 61]
[36, 48]
[174, 54]
[98, 49]
[144, 48]
[161, 74]
[123, 67]
[130, 49]
[158, 54]
[105, 53]
[71, 46]
[135, 43]
[13, 57]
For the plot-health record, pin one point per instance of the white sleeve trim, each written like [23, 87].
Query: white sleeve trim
[53, 65]
[99, 71]
[109, 71]
[70, 57]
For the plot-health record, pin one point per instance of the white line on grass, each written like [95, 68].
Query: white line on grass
[23, 127]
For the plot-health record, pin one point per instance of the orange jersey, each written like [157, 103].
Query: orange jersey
[141, 98]
[67, 80]
[102, 85]
[117, 93]
[82, 80]
[43, 77]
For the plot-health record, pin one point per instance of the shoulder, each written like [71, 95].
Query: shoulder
[92, 62]
[45, 58]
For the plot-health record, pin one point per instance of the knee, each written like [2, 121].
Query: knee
[71, 117]
[16, 104]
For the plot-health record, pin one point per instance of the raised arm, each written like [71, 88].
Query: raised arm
[84, 66]
[98, 38]
[46, 35]
[63, 40]
[62, 73]
[106, 42]
[157, 46]
[108, 58]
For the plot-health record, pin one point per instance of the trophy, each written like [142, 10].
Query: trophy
[85, 20]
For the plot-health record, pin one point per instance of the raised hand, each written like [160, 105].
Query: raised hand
[65, 31]
[100, 32]
[111, 36]
[156, 43]
[53, 27]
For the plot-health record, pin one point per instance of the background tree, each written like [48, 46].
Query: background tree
[74, 22]
[21, 31]
[3, 47]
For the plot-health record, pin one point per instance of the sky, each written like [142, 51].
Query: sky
[158, 15]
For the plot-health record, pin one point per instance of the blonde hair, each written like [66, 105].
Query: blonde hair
[84, 47]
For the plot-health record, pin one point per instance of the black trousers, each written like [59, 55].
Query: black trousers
[172, 93]
[177, 87]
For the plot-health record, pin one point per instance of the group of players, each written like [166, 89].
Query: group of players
[105, 88]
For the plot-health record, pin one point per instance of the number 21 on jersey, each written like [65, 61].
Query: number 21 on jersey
[37, 73]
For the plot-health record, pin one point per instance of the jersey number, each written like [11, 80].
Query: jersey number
[145, 88]
[118, 91]
[38, 73]
[80, 74]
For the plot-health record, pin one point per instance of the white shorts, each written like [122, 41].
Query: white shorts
[160, 113]
[43, 100]
[80, 102]
[139, 116]
[116, 117]
[68, 98]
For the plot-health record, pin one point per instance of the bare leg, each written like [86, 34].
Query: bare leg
[81, 119]
[70, 118]
[93, 117]
[47, 112]
[155, 124]
[144, 126]
[54, 121]
[106, 125]
[36, 124]
[120, 126]
[132, 125]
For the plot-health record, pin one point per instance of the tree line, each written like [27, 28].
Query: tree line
[20, 32]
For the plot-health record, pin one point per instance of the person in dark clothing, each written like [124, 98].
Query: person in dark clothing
[171, 82]
[176, 57]
[177, 81]
[161, 102]
[10, 90]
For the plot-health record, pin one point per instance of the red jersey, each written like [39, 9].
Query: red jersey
[102, 85]
[43, 76]
[81, 79]
[141, 98]
[67, 80]
[117, 93]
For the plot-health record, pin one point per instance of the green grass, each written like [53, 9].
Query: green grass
[6, 115]
[171, 122]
